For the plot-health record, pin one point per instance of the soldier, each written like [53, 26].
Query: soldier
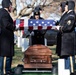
[6, 38]
[68, 35]
[59, 34]
[36, 14]
[37, 35]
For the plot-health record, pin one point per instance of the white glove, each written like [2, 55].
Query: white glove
[17, 26]
[32, 33]
[57, 27]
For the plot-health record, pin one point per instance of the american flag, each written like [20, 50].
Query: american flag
[33, 24]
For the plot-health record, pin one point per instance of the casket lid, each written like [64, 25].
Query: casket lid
[38, 50]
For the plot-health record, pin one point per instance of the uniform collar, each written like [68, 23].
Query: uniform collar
[64, 12]
[69, 11]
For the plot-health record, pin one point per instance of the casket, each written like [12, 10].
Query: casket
[38, 56]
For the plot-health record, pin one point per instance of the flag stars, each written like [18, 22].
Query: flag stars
[31, 22]
[34, 24]
[48, 22]
[53, 22]
[42, 22]
[37, 22]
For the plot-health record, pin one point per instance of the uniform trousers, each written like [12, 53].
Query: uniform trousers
[5, 65]
[69, 63]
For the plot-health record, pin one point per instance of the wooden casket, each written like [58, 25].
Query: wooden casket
[38, 56]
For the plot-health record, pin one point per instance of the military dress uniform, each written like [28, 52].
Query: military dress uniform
[6, 38]
[37, 36]
[67, 37]
[59, 34]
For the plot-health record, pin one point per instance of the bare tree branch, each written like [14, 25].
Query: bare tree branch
[27, 6]
[44, 2]
[33, 2]
[48, 2]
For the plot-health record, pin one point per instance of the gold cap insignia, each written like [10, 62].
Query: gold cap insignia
[36, 12]
[69, 22]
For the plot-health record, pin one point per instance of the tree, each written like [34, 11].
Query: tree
[27, 8]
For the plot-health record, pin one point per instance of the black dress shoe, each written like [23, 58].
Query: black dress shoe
[10, 73]
[72, 74]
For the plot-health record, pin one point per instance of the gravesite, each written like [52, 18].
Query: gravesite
[37, 37]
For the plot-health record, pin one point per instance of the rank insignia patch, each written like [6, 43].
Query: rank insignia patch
[69, 22]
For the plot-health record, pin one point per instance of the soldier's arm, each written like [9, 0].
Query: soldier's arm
[6, 23]
[68, 24]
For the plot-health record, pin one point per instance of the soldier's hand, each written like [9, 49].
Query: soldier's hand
[58, 27]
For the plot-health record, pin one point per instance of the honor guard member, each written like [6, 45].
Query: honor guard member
[59, 34]
[6, 38]
[36, 14]
[68, 35]
[37, 36]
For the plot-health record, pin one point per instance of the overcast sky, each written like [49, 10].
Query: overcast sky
[0, 2]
